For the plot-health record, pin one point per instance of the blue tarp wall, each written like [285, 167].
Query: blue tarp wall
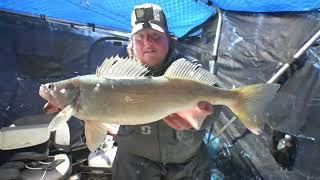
[115, 14]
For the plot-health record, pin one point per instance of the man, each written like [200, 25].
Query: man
[167, 149]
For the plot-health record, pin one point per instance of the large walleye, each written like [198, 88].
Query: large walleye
[120, 93]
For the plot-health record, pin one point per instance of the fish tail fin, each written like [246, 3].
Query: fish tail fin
[61, 118]
[251, 103]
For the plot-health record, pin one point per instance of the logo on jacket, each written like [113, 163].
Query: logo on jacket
[146, 130]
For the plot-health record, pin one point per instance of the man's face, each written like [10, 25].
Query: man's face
[150, 47]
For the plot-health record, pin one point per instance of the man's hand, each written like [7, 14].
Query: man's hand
[111, 128]
[179, 123]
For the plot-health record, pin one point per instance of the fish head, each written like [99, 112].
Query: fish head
[58, 94]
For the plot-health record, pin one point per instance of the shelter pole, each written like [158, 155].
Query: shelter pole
[218, 32]
[212, 63]
[298, 54]
[307, 45]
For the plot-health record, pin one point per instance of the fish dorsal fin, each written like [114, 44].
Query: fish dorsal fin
[183, 69]
[121, 68]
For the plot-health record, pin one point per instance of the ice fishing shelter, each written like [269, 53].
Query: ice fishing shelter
[242, 42]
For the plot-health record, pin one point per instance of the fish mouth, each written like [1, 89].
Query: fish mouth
[50, 108]
[43, 91]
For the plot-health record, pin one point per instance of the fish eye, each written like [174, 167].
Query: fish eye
[50, 86]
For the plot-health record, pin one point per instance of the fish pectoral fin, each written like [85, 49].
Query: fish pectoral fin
[194, 117]
[61, 118]
[95, 133]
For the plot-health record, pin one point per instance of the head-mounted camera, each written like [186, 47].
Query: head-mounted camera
[144, 15]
